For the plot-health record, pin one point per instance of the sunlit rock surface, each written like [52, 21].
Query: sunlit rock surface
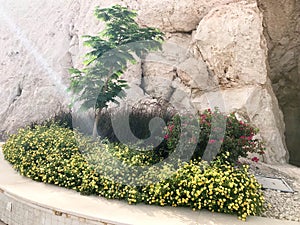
[215, 54]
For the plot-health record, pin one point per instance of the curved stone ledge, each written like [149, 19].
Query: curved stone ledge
[26, 202]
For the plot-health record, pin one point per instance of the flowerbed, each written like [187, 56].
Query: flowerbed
[60, 156]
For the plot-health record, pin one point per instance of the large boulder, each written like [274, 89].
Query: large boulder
[230, 39]
[173, 15]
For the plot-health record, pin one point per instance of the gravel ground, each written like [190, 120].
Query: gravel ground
[280, 205]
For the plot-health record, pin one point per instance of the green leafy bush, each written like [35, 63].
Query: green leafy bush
[57, 155]
[238, 138]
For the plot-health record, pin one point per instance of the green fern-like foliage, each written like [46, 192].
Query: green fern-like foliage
[119, 44]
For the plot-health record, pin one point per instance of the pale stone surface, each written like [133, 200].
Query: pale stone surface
[175, 74]
[43, 39]
[230, 40]
[173, 15]
[34, 62]
[236, 52]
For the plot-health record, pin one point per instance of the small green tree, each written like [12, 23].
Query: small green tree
[99, 82]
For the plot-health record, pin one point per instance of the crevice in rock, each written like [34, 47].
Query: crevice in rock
[173, 89]
[214, 81]
[182, 32]
[142, 85]
[18, 94]
[281, 23]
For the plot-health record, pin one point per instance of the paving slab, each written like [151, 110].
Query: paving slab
[274, 183]
[41, 199]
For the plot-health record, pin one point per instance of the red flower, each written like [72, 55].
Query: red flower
[255, 159]
[166, 137]
[203, 116]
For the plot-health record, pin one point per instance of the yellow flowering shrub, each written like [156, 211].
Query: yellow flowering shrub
[49, 154]
[60, 156]
[216, 187]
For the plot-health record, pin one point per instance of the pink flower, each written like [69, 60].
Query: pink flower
[255, 159]
[249, 138]
[211, 141]
[171, 127]
[166, 137]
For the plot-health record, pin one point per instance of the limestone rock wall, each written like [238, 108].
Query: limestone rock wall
[230, 39]
[215, 54]
[33, 62]
[282, 31]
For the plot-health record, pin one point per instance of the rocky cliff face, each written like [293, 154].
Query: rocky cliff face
[282, 31]
[215, 54]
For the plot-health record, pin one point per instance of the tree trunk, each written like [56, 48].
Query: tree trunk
[96, 122]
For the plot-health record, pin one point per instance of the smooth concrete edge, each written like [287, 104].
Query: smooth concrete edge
[48, 201]
[54, 210]
[43, 210]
